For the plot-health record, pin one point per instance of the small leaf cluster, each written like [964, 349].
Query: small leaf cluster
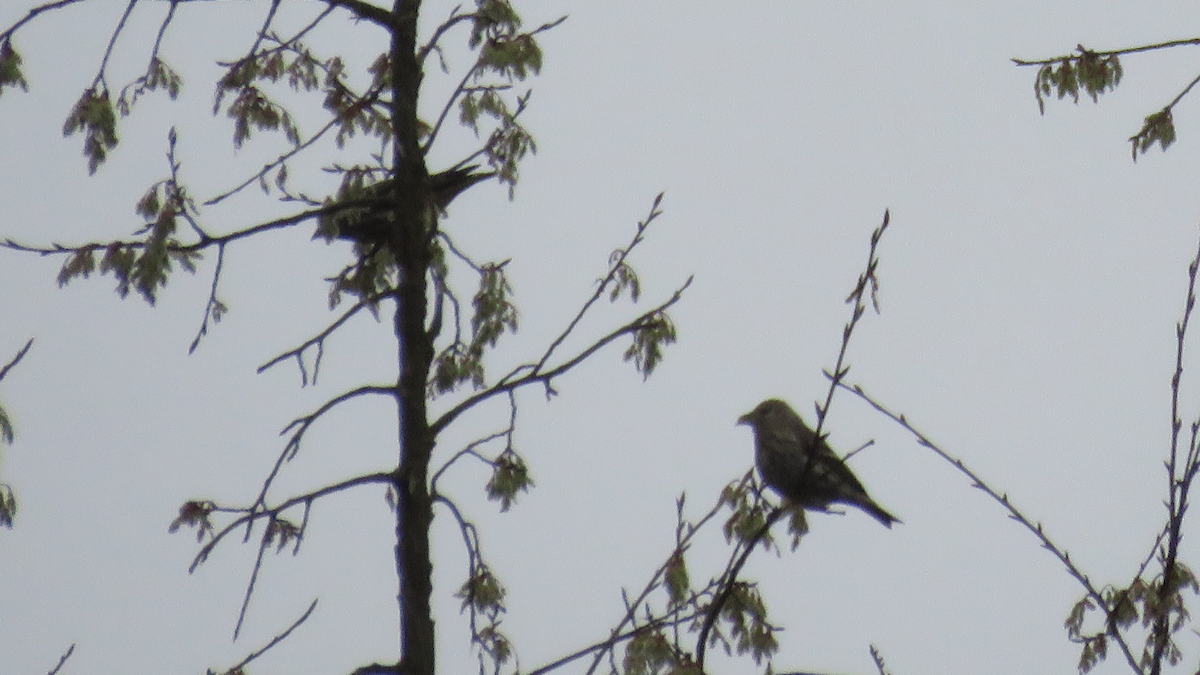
[677, 579]
[748, 512]
[281, 532]
[1147, 602]
[494, 309]
[8, 506]
[1158, 128]
[142, 265]
[494, 313]
[1094, 73]
[10, 68]
[7, 433]
[94, 115]
[366, 278]
[510, 475]
[651, 652]
[650, 336]
[195, 514]
[354, 113]
[745, 616]
[8, 500]
[250, 108]
[483, 595]
[158, 76]
[510, 55]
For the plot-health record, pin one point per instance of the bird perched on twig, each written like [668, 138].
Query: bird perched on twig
[370, 224]
[800, 466]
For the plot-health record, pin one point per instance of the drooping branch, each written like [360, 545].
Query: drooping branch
[1002, 498]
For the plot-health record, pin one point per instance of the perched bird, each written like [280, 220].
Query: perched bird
[801, 467]
[372, 224]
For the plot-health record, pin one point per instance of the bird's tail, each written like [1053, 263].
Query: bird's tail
[878, 513]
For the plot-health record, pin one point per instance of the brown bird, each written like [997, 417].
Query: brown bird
[801, 467]
[372, 224]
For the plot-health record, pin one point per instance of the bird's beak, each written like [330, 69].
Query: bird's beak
[744, 419]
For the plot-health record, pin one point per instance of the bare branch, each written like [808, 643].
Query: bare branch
[255, 512]
[1036, 528]
[1115, 52]
[454, 19]
[16, 359]
[275, 640]
[33, 14]
[62, 660]
[318, 340]
[302, 425]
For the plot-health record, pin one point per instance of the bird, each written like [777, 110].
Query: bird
[801, 466]
[372, 224]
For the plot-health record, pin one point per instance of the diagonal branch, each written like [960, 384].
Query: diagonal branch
[318, 340]
[32, 14]
[544, 377]
[253, 513]
[16, 359]
[1035, 528]
[614, 268]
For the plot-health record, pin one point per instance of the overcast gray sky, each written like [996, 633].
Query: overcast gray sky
[1031, 280]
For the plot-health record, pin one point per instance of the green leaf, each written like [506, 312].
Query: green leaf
[7, 433]
[1158, 128]
[648, 653]
[510, 475]
[8, 506]
[746, 613]
[10, 68]
[483, 591]
[678, 583]
[494, 310]
[158, 76]
[649, 337]
[94, 115]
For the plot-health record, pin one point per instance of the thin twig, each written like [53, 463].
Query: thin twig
[62, 660]
[608, 279]
[319, 339]
[29, 16]
[1115, 52]
[275, 640]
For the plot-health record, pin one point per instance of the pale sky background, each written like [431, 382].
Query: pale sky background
[1031, 278]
